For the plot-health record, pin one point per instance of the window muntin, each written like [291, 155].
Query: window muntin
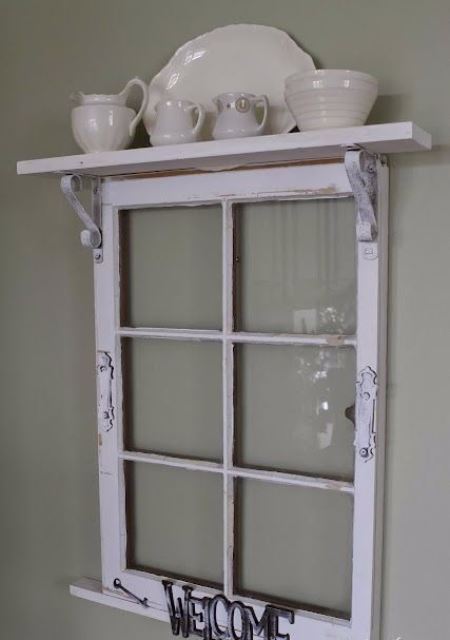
[295, 394]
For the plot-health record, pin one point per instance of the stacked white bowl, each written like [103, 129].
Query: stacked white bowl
[327, 98]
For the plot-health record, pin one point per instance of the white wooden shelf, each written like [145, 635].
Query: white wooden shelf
[215, 155]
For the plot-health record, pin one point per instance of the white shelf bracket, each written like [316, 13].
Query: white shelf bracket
[361, 168]
[91, 236]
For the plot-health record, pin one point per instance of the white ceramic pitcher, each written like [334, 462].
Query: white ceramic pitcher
[237, 115]
[104, 122]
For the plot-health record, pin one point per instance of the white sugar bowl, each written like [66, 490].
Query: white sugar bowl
[104, 122]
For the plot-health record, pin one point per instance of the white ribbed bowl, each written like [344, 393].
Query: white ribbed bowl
[330, 98]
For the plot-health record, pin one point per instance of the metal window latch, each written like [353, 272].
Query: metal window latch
[91, 236]
[361, 168]
[118, 585]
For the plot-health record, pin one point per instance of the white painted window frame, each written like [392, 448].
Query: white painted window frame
[324, 180]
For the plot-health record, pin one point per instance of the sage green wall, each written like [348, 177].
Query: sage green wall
[49, 525]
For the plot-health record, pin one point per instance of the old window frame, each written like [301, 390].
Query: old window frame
[324, 180]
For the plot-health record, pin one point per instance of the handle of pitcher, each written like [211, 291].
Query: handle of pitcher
[144, 88]
[265, 102]
[200, 118]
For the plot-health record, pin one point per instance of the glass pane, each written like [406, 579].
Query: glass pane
[295, 545]
[297, 266]
[175, 522]
[291, 404]
[171, 267]
[173, 397]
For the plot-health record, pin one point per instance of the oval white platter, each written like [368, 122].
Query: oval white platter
[239, 57]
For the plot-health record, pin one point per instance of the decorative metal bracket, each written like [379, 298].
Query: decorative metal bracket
[366, 393]
[105, 377]
[91, 236]
[361, 168]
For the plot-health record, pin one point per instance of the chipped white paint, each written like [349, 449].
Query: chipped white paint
[277, 183]
[104, 277]
[371, 352]
[298, 182]
[294, 339]
[319, 340]
[172, 461]
[171, 334]
[293, 479]
[228, 395]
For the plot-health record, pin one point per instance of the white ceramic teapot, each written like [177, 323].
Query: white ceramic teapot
[104, 122]
[237, 115]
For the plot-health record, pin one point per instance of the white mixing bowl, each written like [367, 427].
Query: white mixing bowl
[327, 98]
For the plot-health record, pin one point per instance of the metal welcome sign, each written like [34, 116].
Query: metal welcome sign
[238, 621]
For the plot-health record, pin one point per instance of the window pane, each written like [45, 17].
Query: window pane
[291, 404]
[171, 267]
[173, 397]
[175, 522]
[295, 545]
[297, 266]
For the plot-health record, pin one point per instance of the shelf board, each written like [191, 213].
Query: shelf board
[217, 155]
